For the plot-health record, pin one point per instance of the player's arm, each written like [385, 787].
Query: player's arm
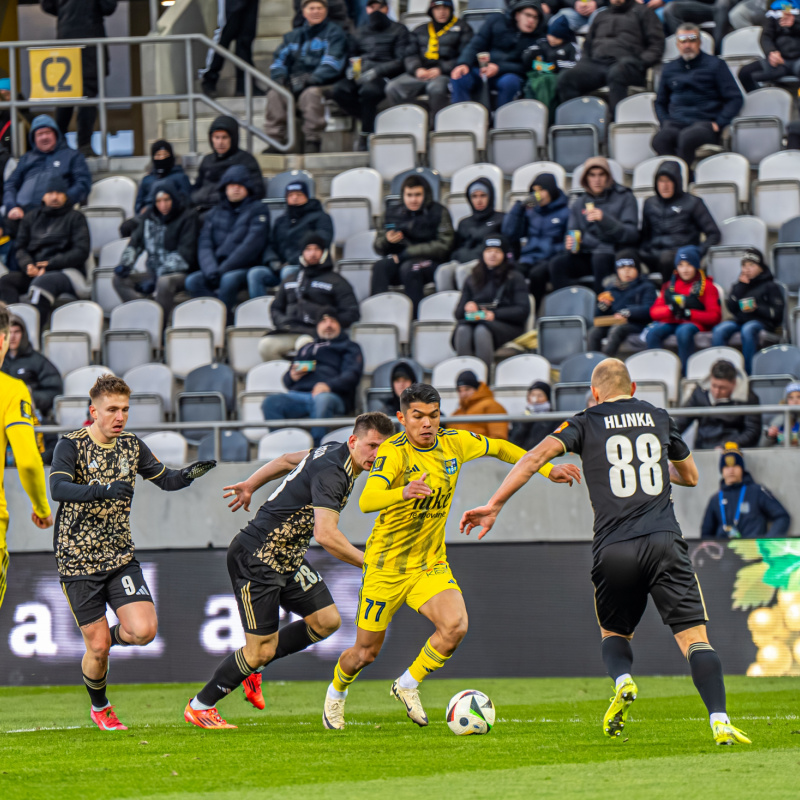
[327, 533]
[682, 469]
[62, 480]
[511, 454]
[243, 492]
[22, 439]
[169, 480]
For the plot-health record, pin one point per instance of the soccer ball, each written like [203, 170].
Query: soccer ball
[469, 712]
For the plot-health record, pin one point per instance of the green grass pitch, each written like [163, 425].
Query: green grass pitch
[547, 743]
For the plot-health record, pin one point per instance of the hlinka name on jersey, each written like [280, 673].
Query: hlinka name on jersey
[629, 421]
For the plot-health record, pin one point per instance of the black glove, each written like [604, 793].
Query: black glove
[197, 470]
[116, 490]
[212, 280]
[299, 82]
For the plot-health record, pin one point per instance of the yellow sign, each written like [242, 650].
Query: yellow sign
[55, 72]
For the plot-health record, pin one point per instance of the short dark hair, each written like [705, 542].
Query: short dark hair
[109, 384]
[415, 182]
[723, 370]
[373, 421]
[5, 319]
[688, 26]
[419, 393]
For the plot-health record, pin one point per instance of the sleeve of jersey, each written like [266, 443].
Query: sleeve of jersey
[378, 493]
[151, 469]
[475, 446]
[570, 434]
[328, 488]
[63, 489]
[678, 449]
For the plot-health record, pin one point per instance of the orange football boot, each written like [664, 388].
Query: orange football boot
[107, 720]
[252, 691]
[205, 718]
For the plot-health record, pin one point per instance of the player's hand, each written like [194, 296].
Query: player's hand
[117, 490]
[565, 473]
[483, 517]
[42, 522]
[242, 493]
[197, 470]
[417, 489]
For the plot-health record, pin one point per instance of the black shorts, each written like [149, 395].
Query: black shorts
[261, 591]
[88, 597]
[625, 573]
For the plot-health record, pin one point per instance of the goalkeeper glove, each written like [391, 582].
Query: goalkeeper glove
[197, 470]
[116, 490]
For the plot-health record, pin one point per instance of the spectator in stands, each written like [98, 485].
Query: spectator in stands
[578, 13]
[51, 239]
[494, 304]
[505, 37]
[433, 54]
[780, 40]
[744, 431]
[402, 377]
[756, 303]
[236, 20]
[528, 434]
[379, 48]
[697, 97]
[162, 168]
[338, 11]
[323, 378]
[623, 42]
[627, 299]
[548, 58]
[232, 241]
[603, 219]
[689, 303]
[49, 154]
[776, 432]
[470, 235]
[168, 233]
[475, 397]
[542, 221]
[310, 58]
[750, 14]
[223, 136]
[742, 508]
[673, 218]
[678, 13]
[301, 299]
[416, 237]
[38, 373]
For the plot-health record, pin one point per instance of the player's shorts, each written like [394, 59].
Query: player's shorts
[625, 573]
[261, 591]
[382, 593]
[88, 596]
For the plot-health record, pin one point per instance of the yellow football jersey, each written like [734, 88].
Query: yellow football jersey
[409, 536]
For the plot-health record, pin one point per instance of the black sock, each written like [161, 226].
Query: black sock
[707, 676]
[295, 637]
[230, 674]
[97, 690]
[617, 656]
[116, 637]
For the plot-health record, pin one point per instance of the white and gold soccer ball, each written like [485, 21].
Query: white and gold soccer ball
[470, 712]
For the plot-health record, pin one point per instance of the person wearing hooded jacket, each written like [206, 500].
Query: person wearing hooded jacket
[673, 218]
[756, 303]
[780, 41]
[742, 508]
[475, 397]
[168, 233]
[232, 240]
[528, 434]
[505, 37]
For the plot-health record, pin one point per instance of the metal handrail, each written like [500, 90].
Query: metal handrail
[190, 96]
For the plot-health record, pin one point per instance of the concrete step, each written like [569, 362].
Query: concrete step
[234, 105]
[273, 25]
[172, 129]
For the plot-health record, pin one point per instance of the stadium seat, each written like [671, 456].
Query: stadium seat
[431, 342]
[283, 440]
[358, 273]
[80, 316]
[579, 131]
[262, 380]
[125, 349]
[30, 316]
[617, 173]
[103, 222]
[776, 193]
[360, 246]
[449, 400]
[514, 399]
[561, 337]
[103, 291]
[431, 176]
[571, 301]
[81, 380]
[202, 312]
[439, 306]
[522, 370]
[169, 447]
[657, 365]
[644, 175]
[377, 340]
[738, 234]
[71, 411]
[118, 190]
[111, 253]
[779, 359]
[186, 349]
[759, 129]
[153, 379]
[579, 368]
[217, 378]
[146, 412]
[400, 134]
[740, 47]
[770, 389]
[786, 256]
[698, 367]
[445, 372]
[68, 350]
[338, 435]
[518, 135]
[459, 135]
[389, 306]
[200, 407]
[458, 207]
[466, 175]
[523, 177]
[233, 447]
[637, 108]
[729, 172]
[252, 319]
[354, 202]
[570, 397]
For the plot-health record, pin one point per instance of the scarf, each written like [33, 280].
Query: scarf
[432, 53]
[697, 291]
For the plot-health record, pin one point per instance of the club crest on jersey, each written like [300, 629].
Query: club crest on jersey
[25, 410]
[124, 466]
[378, 465]
[451, 466]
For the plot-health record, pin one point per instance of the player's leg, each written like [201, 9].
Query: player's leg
[131, 600]
[3, 568]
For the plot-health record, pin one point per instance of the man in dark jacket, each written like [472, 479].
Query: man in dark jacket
[624, 40]
[236, 20]
[627, 298]
[301, 298]
[232, 240]
[322, 381]
[697, 97]
[168, 233]
[381, 44]
[82, 19]
[505, 37]
[742, 430]
[434, 49]
[672, 219]
[780, 40]
[417, 236]
[742, 508]
[310, 58]
[756, 303]
[606, 217]
[528, 434]
[223, 135]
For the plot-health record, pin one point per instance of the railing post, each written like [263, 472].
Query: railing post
[101, 87]
[248, 108]
[12, 74]
[153, 16]
[217, 443]
[190, 95]
[787, 428]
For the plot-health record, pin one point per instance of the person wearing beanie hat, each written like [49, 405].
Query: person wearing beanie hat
[688, 304]
[402, 376]
[625, 304]
[756, 304]
[475, 397]
[742, 509]
[776, 432]
[528, 434]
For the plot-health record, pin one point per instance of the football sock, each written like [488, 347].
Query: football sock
[97, 691]
[335, 694]
[295, 637]
[230, 673]
[707, 676]
[617, 656]
[407, 681]
[341, 680]
[116, 637]
[428, 660]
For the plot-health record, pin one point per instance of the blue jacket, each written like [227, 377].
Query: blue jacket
[319, 51]
[758, 508]
[636, 297]
[146, 196]
[545, 228]
[233, 236]
[700, 89]
[25, 185]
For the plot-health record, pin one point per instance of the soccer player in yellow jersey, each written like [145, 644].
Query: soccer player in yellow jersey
[16, 411]
[412, 483]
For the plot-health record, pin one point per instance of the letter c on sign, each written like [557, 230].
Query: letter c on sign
[62, 85]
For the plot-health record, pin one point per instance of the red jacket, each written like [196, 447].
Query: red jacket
[705, 318]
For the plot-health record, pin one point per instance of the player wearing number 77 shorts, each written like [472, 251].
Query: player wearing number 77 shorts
[631, 453]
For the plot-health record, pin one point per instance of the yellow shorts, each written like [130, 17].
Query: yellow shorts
[382, 593]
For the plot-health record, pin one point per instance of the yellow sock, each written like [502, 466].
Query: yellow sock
[341, 680]
[428, 660]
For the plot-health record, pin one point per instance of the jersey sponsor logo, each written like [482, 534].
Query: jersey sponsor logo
[451, 466]
[378, 465]
[320, 451]
[561, 427]
[433, 502]
[637, 420]
[476, 435]
[25, 410]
